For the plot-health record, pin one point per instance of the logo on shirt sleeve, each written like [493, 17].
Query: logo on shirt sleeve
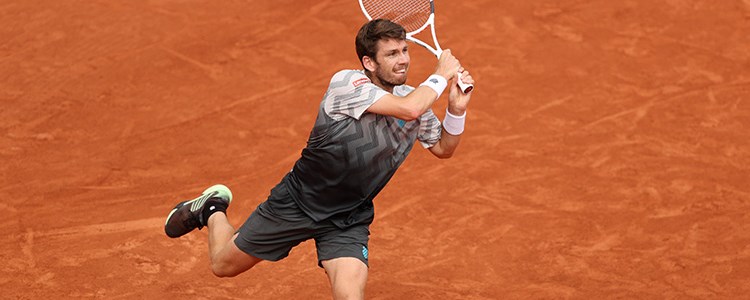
[361, 81]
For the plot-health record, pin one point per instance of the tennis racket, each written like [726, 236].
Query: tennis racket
[414, 16]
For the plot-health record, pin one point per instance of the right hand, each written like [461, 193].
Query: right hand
[447, 65]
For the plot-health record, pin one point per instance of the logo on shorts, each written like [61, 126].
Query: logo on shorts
[364, 251]
[360, 81]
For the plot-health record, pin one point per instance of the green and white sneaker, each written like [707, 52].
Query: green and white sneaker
[188, 215]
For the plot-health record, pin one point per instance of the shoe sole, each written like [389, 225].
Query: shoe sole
[223, 192]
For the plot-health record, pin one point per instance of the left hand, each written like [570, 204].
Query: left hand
[458, 101]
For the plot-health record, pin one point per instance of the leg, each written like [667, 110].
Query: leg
[348, 276]
[343, 254]
[226, 259]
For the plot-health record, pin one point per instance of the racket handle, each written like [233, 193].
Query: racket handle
[465, 87]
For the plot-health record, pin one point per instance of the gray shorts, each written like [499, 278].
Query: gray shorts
[278, 224]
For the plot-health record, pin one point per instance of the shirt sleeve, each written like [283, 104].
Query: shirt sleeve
[350, 94]
[429, 129]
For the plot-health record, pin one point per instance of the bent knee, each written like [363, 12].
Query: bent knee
[349, 295]
[225, 270]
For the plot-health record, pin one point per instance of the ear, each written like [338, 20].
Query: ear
[369, 63]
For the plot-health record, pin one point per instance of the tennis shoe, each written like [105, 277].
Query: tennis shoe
[188, 215]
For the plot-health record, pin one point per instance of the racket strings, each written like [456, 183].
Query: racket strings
[412, 15]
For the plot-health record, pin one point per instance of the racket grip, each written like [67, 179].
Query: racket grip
[465, 87]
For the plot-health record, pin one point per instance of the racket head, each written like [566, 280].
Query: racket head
[413, 15]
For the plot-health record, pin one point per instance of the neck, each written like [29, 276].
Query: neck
[382, 84]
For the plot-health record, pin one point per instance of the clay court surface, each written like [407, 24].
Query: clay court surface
[606, 154]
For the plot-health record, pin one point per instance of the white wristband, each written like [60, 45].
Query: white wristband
[454, 125]
[437, 83]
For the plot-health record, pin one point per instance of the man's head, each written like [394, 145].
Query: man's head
[382, 50]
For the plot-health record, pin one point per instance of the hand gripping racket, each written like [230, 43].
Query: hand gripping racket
[414, 16]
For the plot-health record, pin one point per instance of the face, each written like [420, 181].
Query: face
[392, 62]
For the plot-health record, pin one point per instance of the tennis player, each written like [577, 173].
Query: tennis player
[367, 123]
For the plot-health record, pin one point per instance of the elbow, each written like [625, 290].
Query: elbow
[410, 114]
[444, 155]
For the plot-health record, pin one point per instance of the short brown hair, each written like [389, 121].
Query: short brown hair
[373, 31]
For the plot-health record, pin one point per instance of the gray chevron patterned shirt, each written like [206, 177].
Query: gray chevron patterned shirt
[351, 154]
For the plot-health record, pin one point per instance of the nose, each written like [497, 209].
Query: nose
[403, 58]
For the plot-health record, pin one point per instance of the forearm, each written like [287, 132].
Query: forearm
[455, 119]
[453, 127]
[413, 105]
[447, 144]
[426, 94]
[418, 102]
